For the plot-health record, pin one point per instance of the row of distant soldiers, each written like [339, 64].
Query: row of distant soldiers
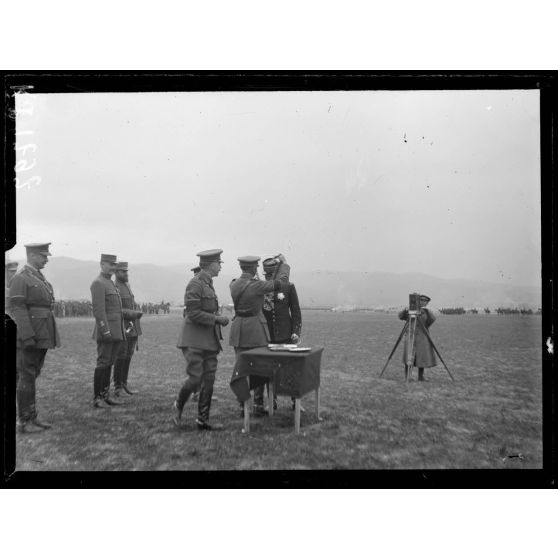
[81, 308]
[460, 310]
[150, 308]
[265, 311]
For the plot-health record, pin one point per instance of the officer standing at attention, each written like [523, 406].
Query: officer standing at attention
[195, 270]
[200, 339]
[31, 303]
[109, 329]
[132, 329]
[249, 328]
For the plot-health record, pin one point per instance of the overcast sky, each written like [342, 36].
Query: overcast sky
[439, 182]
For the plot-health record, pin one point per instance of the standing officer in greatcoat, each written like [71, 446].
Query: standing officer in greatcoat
[31, 304]
[109, 329]
[249, 328]
[200, 339]
[424, 352]
[282, 312]
[132, 329]
[10, 269]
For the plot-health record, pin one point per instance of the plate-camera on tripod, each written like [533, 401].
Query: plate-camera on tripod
[410, 326]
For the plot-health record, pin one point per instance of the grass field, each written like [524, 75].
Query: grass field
[492, 411]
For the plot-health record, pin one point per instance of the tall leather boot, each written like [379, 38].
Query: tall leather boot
[98, 387]
[204, 406]
[178, 405]
[118, 376]
[421, 374]
[106, 388]
[25, 412]
[125, 371]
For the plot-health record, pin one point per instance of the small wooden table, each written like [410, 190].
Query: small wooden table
[292, 374]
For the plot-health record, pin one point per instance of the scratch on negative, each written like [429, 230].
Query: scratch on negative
[550, 346]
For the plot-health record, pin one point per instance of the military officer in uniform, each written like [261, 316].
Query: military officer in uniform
[282, 313]
[132, 329]
[424, 352]
[10, 269]
[109, 329]
[200, 339]
[249, 327]
[32, 302]
[195, 270]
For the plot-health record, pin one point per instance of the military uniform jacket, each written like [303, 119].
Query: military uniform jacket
[31, 305]
[7, 301]
[249, 327]
[128, 303]
[424, 353]
[283, 315]
[198, 329]
[107, 309]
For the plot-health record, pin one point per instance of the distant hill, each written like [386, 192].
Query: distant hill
[71, 278]
[386, 290]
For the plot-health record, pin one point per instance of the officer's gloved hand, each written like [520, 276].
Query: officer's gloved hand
[295, 338]
[222, 320]
[29, 343]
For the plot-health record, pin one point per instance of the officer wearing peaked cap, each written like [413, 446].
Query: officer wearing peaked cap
[109, 329]
[132, 329]
[249, 328]
[200, 339]
[32, 303]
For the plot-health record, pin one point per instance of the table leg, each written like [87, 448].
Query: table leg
[247, 416]
[270, 397]
[297, 416]
[318, 403]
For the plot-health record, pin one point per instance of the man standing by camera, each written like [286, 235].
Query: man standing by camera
[132, 329]
[31, 305]
[109, 329]
[200, 339]
[249, 328]
[424, 352]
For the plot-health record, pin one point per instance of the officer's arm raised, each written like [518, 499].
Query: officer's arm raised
[282, 278]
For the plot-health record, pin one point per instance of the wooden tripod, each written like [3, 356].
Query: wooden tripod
[411, 326]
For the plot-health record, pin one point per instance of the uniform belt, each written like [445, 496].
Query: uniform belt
[245, 314]
[40, 311]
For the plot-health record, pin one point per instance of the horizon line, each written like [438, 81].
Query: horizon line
[187, 269]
